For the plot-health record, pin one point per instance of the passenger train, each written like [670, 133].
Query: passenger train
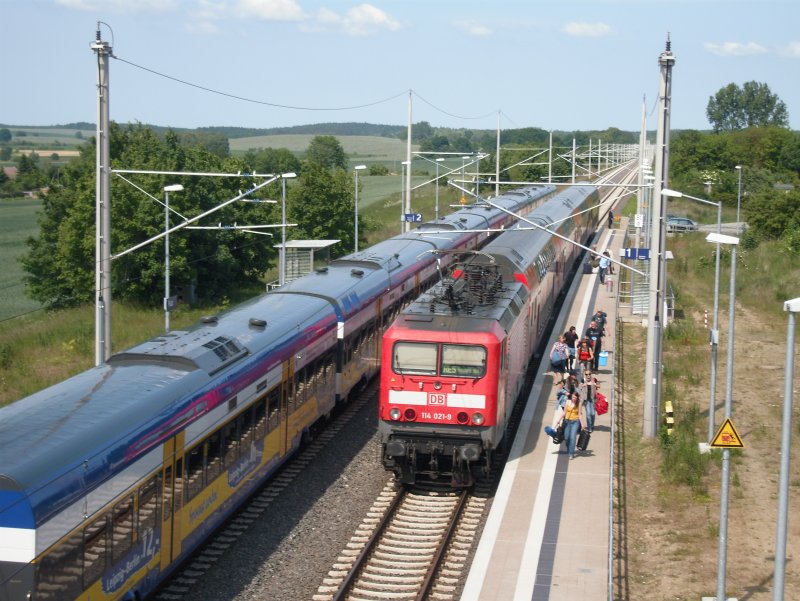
[454, 361]
[113, 477]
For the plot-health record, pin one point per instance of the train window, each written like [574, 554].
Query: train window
[94, 551]
[466, 360]
[274, 409]
[230, 440]
[178, 484]
[261, 418]
[148, 506]
[122, 529]
[59, 572]
[414, 358]
[194, 472]
[167, 492]
[246, 429]
[213, 452]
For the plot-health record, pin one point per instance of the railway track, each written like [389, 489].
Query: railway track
[412, 545]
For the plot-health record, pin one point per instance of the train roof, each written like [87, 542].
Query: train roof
[118, 410]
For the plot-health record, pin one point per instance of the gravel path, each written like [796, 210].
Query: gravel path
[290, 548]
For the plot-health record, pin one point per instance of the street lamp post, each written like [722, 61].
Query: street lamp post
[726, 452]
[738, 195]
[167, 301]
[792, 307]
[356, 169]
[714, 334]
[282, 262]
[439, 160]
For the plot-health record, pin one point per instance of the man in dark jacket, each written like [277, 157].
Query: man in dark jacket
[594, 334]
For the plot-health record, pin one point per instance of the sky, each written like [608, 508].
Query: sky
[558, 65]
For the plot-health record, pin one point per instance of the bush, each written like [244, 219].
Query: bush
[378, 169]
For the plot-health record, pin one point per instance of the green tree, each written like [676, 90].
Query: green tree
[216, 143]
[772, 214]
[322, 203]
[378, 169]
[752, 105]
[60, 261]
[272, 160]
[5, 134]
[327, 152]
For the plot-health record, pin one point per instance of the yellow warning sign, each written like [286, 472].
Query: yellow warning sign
[727, 437]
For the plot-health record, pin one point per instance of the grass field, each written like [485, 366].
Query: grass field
[17, 222]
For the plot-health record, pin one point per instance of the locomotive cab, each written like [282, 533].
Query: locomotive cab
[438, 407]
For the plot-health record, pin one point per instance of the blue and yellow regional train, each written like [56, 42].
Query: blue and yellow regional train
[113, 477]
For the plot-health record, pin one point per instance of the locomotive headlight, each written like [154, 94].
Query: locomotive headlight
[394, 413]
[410, 414]
[477, 419]
[437, 385]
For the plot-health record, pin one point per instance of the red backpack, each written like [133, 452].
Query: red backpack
[600, 404]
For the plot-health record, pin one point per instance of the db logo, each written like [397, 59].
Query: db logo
[436, 398]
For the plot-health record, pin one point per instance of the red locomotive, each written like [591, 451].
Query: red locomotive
[453, 362]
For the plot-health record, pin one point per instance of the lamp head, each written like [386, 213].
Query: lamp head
[173, 188]
[722, 238]
[792, 305]
[359, 167]
[671, 193]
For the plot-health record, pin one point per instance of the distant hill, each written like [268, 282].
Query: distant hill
[329, 129]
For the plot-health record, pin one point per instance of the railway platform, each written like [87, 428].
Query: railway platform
[547, 535]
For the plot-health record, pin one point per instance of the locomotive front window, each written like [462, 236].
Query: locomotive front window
[463, 360]
[414, 358]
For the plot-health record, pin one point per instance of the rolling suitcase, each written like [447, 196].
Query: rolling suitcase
[583, 439]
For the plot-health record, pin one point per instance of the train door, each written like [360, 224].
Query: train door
[171, 499]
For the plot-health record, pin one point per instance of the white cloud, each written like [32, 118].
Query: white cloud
[271, 10]
[735, 48]
[121, 6]
[475, 29]
[364, 19]
[791, 50]
[580, 29]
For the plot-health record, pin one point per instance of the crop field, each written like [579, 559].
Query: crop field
[360, 149]
[17, 222]
[48, 135]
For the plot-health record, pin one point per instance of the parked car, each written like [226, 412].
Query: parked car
[680, 224]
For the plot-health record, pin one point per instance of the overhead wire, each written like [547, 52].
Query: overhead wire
[254, 100]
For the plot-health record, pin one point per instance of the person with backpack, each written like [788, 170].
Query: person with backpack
[558, 359]
[571, 338]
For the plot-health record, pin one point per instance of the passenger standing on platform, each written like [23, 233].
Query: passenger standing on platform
[603, 266]
[571, 339]
[558, 359]
[573, 420]
[610, 220]
[585, 357]
[594, 335]
[589, 390]
[600, 317]
[610, 264]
